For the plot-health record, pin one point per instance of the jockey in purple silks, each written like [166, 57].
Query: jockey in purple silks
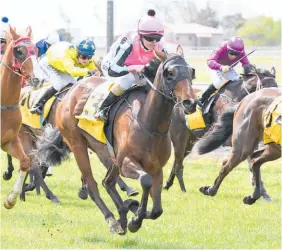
[219, 63]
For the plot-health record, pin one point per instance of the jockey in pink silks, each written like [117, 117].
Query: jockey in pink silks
[219, 63]
[128, 56]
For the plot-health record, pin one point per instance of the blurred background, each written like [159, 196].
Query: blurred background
[196, 25]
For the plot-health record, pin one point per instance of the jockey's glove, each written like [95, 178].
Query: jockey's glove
[92, 72]
[225, 68]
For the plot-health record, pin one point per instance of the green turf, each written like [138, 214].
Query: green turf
[190, 220]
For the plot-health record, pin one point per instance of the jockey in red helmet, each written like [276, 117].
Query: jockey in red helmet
[219, 63]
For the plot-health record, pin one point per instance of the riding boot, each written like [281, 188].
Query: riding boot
[205, 96]
[102, 112]
[37, 108]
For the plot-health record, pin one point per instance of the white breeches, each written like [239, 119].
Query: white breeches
[57, 78]
[219, 78]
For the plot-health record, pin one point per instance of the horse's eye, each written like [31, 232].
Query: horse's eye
[20, 50]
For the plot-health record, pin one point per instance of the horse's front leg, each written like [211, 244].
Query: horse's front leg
[156, 192]
[8, 174]
[135, 171]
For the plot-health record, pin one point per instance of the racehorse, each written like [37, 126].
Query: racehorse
[183, 138]
[141, 144]
[248, 130]
[17, 65]
[28, 136]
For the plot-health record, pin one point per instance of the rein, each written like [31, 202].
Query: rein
[16, 106]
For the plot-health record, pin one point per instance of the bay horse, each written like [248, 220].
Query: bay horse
[248, 130]
[17, 65]
[184, 139]
[141, 144]
[29, 136]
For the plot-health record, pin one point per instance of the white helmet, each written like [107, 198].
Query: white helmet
[53, 38]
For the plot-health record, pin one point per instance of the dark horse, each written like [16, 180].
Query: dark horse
[142, 143]
[248, 128]
[184, 139]
[29, 136]
[17, 64]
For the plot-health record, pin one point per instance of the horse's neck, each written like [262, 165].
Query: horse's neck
[156, 113]
[9, 81]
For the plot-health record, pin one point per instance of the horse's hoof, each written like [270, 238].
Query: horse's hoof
[54, 199]
[249, 200]
[123, 225]
[22, 196]
[132, 192]
[133, 227]
[8, 204]
[204, 190]
[207, 190]
[115, 227]
[267, 197]
[166, 187]
[131, 205]
[83, 194]
[7, 176]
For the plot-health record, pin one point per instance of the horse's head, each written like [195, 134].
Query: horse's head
[173, 78]
[21, 53]
[259, 78]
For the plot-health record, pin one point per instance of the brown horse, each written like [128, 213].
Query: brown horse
[29, 136]
[17, 65]
[248, 130]
[142, 144]
[184, 139]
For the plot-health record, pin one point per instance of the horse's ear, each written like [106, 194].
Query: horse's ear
[160, 55]
[13, 33]
[29, 31]
[179, 50]
[273, 71]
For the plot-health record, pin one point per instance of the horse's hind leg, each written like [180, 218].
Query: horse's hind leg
[9, 173]
[270, 153]
[39, 182]
[15, 149]
[244, 140]
[79, 149]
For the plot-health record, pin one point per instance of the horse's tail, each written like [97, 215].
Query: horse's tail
[221, 132]
[50, 147]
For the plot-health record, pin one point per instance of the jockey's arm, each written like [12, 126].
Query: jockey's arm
[117, 68]
[74, 71]
[213, 59]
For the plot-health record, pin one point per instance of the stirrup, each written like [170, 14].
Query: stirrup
[37, 109]
[102, 114]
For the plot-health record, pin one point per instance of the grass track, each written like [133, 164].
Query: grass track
[190, 220]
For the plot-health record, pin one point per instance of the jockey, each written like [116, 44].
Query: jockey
[128, 56]
[3, 34]
[44, 44]
[219, 63]
[62, 63]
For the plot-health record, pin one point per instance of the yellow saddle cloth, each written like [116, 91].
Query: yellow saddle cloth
[86, 120]
[27, 101]
[195, 120]
[273, 122]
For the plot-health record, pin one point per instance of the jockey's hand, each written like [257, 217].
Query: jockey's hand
[98, 73]
[93, 72]
[225, 68]
[136, 68]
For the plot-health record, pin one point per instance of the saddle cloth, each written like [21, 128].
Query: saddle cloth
[273, 122]
[27, 101]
